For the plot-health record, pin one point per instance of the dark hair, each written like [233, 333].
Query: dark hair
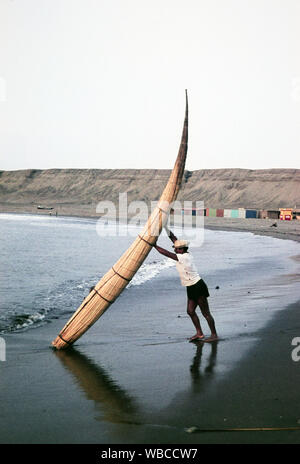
[182, 248]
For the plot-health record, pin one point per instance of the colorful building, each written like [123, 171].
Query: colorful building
[220, 212]
[251, 213]
[286, 214]
[268, 214]
[234, 213]
[211, 212]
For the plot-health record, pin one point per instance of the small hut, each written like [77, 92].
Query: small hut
[251, 213]
[286, 214]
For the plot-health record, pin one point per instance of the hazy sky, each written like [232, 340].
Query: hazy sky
[100, 83]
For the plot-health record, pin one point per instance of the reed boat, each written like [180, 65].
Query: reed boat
[111, 285]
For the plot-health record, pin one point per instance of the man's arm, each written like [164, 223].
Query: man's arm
[170, 234]
[167, 253]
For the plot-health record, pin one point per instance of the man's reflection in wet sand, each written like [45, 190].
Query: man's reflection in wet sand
[188, 405]
[198, 376]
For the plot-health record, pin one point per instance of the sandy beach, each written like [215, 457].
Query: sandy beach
[102, 391]
[289, 230]
[135, 380]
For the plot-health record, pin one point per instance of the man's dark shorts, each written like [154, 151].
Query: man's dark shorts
[197, 290]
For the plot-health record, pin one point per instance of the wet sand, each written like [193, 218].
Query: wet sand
[134, 381]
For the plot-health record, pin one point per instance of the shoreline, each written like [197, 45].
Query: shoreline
[285, 230]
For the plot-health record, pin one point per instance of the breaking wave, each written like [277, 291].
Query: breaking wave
[66, 298]
[149, 270]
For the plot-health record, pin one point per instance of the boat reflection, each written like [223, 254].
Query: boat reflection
[114, 403]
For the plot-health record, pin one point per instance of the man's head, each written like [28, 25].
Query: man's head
[181, 246]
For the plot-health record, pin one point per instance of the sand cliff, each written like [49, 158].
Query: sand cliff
[77, 191]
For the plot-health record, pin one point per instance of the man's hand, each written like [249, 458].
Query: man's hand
[170, 234]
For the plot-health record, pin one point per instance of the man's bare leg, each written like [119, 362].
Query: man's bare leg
[191, 310]
[203, 303]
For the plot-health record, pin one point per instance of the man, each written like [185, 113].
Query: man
[197, 291]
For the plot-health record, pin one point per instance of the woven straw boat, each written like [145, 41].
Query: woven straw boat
[117, 278]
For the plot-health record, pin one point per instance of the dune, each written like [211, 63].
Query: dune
[78, 191]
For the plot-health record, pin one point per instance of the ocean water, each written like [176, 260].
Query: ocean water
[48, 265]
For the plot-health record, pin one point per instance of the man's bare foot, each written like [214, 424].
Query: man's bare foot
[197, 337]
[212, 338]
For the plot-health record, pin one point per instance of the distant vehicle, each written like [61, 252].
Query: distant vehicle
[44, 207]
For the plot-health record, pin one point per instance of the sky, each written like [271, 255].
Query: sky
[101, 83]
